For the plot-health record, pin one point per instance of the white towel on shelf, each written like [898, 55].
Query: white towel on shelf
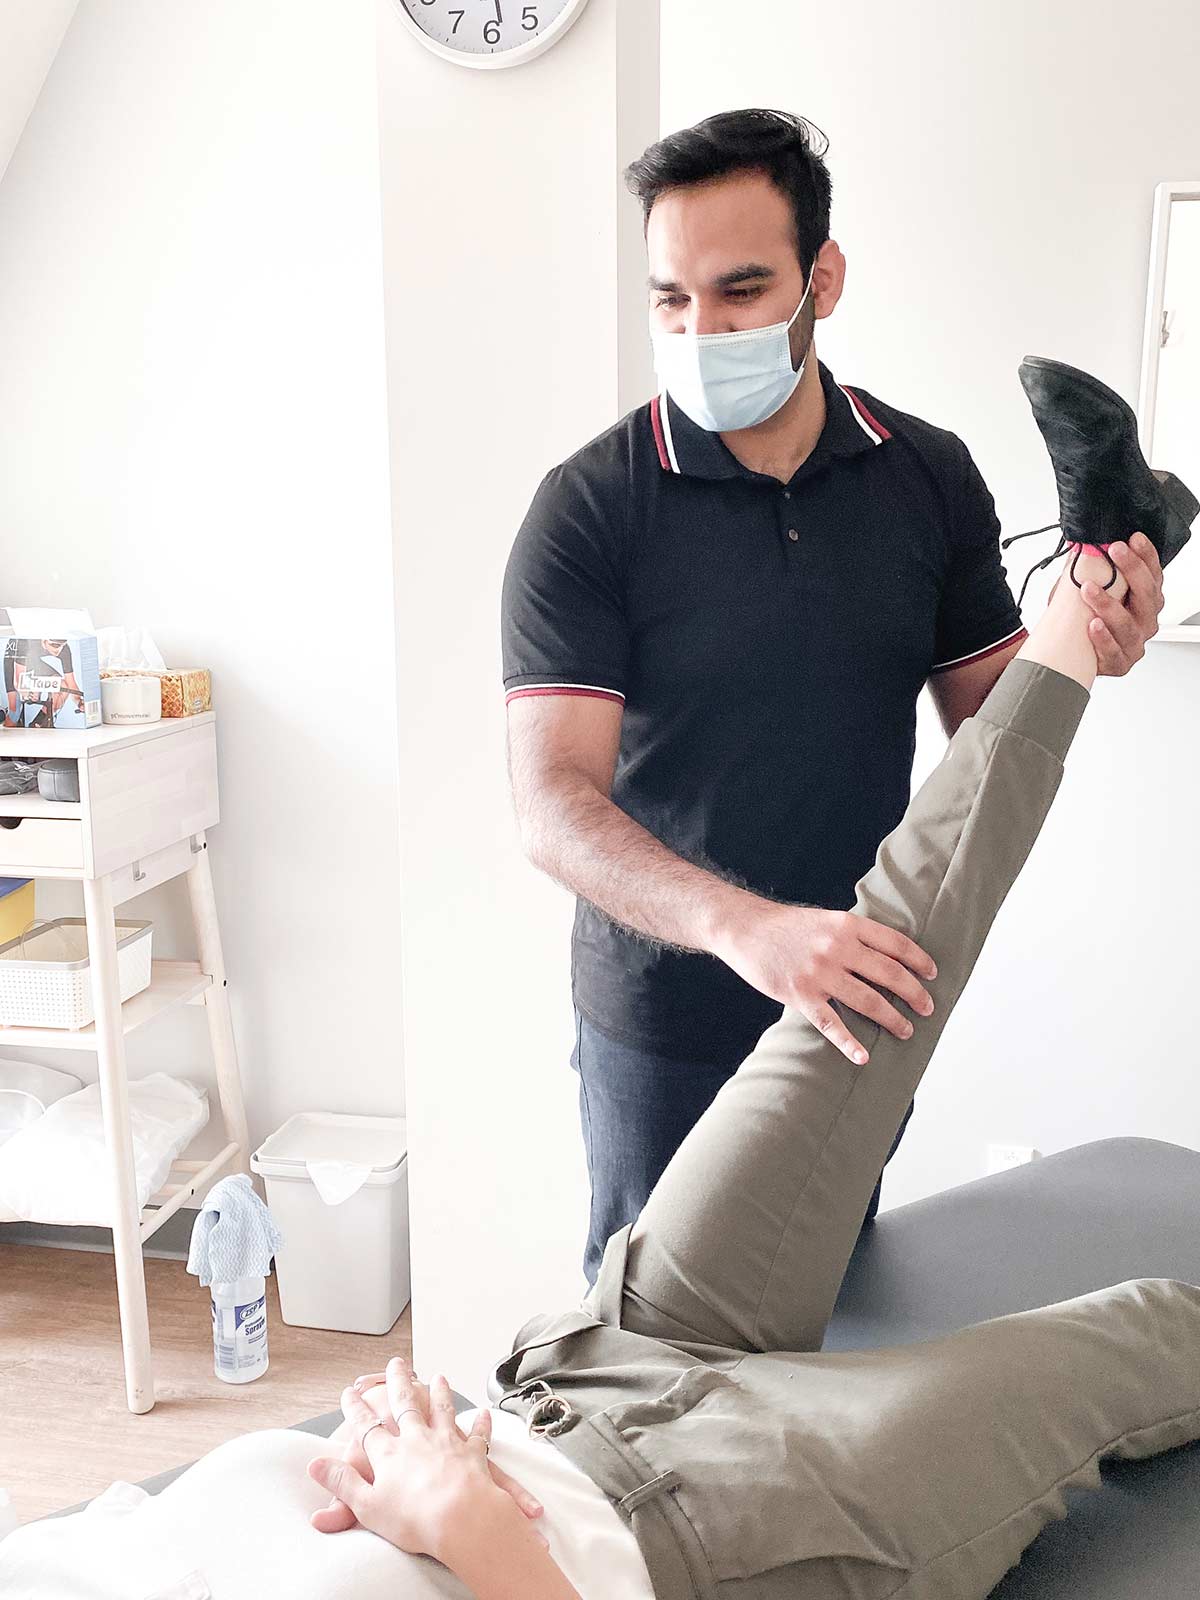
[58, 1169]
[234, 1235]
[27, 1089]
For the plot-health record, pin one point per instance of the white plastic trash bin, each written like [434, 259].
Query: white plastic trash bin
[337, 1187]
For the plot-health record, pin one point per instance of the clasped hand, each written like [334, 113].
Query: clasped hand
[418, 1479]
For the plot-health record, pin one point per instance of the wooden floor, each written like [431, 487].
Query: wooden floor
[65, 1432]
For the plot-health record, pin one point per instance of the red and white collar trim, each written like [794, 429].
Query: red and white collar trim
[660, 421]
[875, 431]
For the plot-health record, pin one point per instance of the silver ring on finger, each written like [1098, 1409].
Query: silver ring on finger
[378, 1423]
[405, 1410]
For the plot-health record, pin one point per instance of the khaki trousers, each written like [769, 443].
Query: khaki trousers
[690, 1384]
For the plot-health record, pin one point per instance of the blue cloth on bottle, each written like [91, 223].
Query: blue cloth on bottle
[234, 1235]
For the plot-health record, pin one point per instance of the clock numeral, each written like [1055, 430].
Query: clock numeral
[530, 22]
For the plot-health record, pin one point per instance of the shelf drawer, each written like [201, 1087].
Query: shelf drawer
[41, 842]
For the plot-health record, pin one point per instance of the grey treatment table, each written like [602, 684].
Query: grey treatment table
[1061, 1226]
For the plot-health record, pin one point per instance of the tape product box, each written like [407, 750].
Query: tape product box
[52, 683]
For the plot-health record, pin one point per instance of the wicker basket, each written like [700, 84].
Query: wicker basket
[46, 976]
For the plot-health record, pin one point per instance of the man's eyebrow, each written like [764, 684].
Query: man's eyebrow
[749, 269]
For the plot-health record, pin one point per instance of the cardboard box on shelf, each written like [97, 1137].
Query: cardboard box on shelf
[186, 691]
[16, 907]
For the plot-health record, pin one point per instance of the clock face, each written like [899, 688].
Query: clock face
[490, 32]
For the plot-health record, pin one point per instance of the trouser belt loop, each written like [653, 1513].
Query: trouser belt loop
[661, 1485]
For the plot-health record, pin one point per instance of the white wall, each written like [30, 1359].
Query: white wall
[512, 277]
[193, 438]
[993, 174]
[30, 34]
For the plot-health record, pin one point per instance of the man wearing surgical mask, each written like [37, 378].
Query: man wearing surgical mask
[717, 618]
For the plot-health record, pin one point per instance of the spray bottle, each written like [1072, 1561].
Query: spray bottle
[234, 1239]
[239, 1323]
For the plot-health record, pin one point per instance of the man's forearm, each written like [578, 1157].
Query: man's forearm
[590, 846]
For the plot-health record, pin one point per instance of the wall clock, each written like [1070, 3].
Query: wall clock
[488, 33]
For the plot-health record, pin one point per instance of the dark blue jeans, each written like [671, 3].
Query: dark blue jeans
[636, 1108]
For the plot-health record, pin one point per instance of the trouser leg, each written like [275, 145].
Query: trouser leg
[873, 1203]
[745, 1239]
[635, 1109]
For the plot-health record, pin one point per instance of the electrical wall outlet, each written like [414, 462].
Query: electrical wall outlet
[1002, 1156]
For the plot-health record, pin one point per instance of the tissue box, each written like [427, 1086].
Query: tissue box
[52, 683]
[185, 690]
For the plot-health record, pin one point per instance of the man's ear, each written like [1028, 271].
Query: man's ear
[829, 279]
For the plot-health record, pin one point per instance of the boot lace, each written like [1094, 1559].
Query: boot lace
[1064, 544]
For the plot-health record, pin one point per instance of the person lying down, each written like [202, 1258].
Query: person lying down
[681, 1435]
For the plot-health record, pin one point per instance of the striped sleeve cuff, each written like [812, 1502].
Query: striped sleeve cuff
[594, 690]
[1015, 637]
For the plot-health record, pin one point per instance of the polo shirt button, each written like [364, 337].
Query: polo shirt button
[792, 534]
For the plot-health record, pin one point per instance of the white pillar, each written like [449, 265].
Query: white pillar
[515, 304]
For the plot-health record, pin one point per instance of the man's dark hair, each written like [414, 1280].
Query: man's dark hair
[777, 142]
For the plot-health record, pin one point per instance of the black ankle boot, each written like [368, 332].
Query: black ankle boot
[1106, 491]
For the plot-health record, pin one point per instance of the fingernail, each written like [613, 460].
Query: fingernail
[861, 1057]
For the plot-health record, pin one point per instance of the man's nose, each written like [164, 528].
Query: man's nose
[709, 319]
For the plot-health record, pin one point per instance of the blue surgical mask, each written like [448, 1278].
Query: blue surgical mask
[726, 381]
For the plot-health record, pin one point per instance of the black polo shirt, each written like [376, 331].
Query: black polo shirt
[768, 642]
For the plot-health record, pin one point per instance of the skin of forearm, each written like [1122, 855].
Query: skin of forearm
[590, 846]
[496, 1553]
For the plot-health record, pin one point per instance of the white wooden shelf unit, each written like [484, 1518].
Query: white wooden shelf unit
[147, 796]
